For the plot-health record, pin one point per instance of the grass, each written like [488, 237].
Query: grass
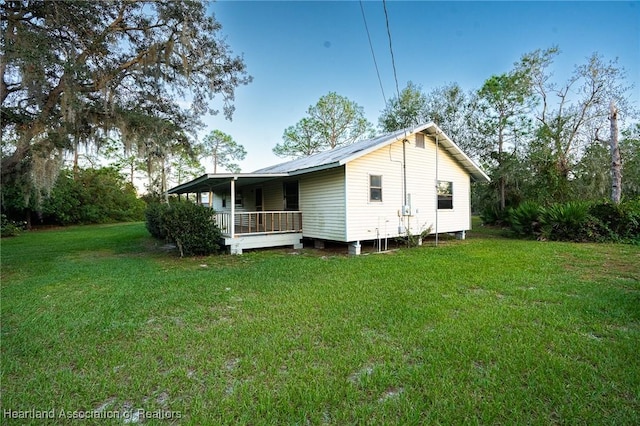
[100, 320]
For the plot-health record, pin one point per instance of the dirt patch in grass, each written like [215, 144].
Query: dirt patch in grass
[390, 393]
[357, 376]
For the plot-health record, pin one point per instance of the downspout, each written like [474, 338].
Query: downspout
[404, 171]
[437, 151]
[403, 189]
[405, 218]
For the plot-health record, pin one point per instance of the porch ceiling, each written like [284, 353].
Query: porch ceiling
[211, 182]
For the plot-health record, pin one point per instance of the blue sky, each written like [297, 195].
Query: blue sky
[298, 51]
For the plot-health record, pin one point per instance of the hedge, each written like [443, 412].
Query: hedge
[578, 221]
[190, 226]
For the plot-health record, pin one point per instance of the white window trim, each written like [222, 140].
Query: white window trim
[438, 196]
[375, 187]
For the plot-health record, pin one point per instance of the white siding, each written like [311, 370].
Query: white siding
[217, 202]
[366, 220]
[248, 199]
[322, 202]
[272, 197]
[449, 220]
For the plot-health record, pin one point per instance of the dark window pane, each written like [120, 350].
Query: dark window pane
[375, 188]
[291, 195]
[445, 194]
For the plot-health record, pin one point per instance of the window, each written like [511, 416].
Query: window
[239, 202]
[290, 190]
[445, 194]
[420, 140]
[375, 188]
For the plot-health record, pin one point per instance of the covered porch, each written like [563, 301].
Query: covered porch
[244, 213]
[247, 230]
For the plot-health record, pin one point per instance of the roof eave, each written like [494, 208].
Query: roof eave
[200, 181]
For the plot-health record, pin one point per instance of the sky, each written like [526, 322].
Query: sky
[298, 51]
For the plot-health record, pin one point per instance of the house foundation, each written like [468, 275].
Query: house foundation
[355, 248]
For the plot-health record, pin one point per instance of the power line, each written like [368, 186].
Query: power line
[375, 63]
[393, 60]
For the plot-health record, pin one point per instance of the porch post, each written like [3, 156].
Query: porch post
[210, 199]
[232, 221]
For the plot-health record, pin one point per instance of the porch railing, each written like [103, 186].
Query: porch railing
[267, 222]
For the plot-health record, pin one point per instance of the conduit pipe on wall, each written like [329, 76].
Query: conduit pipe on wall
[436, 186]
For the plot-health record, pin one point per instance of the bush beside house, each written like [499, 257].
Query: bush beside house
[190, 227]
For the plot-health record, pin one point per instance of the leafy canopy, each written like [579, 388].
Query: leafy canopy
[75, 72]
[223, 151]
[332, 122]
[407, 110]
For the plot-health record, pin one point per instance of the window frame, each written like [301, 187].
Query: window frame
[420, 140]
[373, 187]
[444, 199]
[287, 196]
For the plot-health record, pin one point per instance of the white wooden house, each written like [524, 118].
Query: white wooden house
[394, 185]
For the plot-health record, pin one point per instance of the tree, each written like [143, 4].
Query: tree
[408, 110]
[121, 158]
[92, 196]
[223, 150]
[184, 166]
[332, 122]
[616, 162]
[155, 139]
[72, 72]
[571, 114]
[504, 102]
[300, 140]
[630, 155]
[454, 112]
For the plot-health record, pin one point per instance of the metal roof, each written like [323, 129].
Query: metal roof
[332, 158]
[340, 156]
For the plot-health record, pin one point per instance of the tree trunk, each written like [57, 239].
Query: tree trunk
[76, 157]
[163, 182]
[133, 170]
[616, 163]
[502, 181]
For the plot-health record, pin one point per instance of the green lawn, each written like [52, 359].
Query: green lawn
[100, 321]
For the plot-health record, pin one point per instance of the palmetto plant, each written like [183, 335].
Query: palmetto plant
[525, 219]
[564, 221]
